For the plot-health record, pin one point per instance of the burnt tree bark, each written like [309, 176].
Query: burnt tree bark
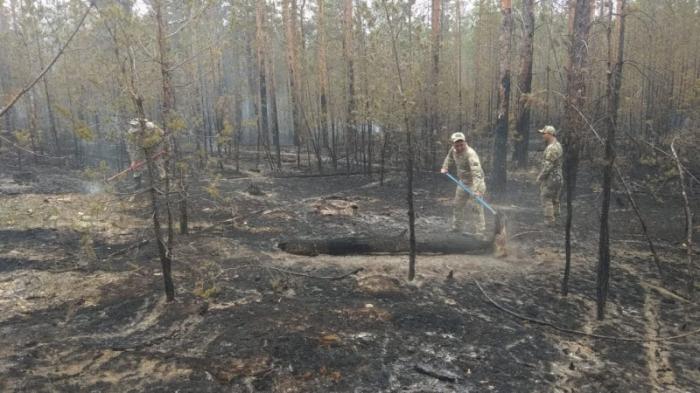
[522, 124]
[613, 95]
[273, 110]
[460, 101]
[444, 243]
[263, 125]
[323, 80]
[435, 79]
[478, 42]
[49, 105]
[573, 122]
[688, 223]
[350, 79]
[164, 252]
[168, 107]
[289, 17]
[409, 145]
[500, 148]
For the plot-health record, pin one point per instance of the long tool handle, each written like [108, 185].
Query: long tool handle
[470, 192]
[136, 166]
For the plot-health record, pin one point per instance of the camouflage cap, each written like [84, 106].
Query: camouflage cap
[548, 130]
[457, 136]
[137, 121]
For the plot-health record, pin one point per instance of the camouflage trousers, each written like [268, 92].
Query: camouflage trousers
[464, 202]
[137, 155]
[549, 195]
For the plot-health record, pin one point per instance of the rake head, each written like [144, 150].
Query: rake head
[500, 236]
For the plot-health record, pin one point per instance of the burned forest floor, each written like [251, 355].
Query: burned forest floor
[83, 308]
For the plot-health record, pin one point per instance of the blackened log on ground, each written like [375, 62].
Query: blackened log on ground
[434, 243]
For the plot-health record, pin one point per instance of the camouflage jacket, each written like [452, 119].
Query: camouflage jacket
[468, 168]
[551, 163]
[139, 141]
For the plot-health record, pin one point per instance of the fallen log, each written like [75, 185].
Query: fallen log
[436, 243]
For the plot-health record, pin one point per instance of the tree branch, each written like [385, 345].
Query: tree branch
[579, 332]
[48, 67]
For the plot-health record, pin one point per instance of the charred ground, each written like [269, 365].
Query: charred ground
[83, 308]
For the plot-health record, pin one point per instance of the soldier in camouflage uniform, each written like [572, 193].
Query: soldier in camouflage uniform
[469, 171]
[550, 177]
[143, 141]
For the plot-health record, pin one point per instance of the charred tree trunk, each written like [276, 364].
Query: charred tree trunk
[688, 224]
[33, 124]
[289, 16]
[238, 120]
[522, 125]
[163, 250]
[367, 136]
[460, 104]
[74, 125]
[444, 243]
[350, 80]
[573, 122]
[613, 94]
[323, 75]
[409, 145]
[130, 79]
[260, 39]
[500, 149]
[435, 78]
[477, 66]
[382, 158]
[168, 106]
[253, 91]
[166, 112]
[274, 114]
[49, 105]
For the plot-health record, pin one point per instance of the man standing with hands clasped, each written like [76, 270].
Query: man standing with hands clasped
[469, 171]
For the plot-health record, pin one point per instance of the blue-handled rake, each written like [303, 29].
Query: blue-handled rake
[500, 234]
[472, 193]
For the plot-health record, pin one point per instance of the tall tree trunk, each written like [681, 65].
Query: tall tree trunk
[168, 101]
[367, 135]
[323, 74]
[74, 125]
[49, 105]
[690, 281]
[130, 80]
[350, 79]
[290, 23]
[273, 109]
[500, 149]
[477, 64]
[167, 115]
[613, 95]
[260, 39]
[573, 122]
[409, 145]
[461, 110]
[164, 249]
[33, 124]
[522, 125]
[238, 117]
[253, 91]
[436, 35]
